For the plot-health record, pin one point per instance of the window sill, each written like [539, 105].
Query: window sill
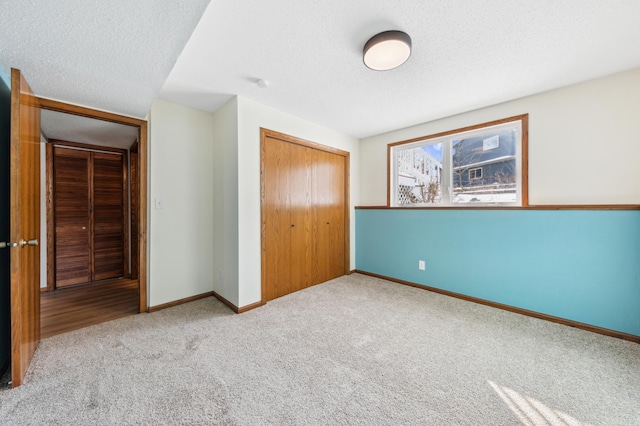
[504, 207]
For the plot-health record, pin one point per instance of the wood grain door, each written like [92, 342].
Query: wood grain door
[336, 216]
[88, 208]
[329, 216]
[25, 226]
[108, 216]
[322, 195]
[72, 216]
[300, 178]
[135, 204]
[303, 215]
[277, 218]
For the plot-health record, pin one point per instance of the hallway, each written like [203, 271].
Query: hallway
[81, 306]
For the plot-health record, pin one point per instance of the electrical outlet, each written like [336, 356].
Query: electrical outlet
[421, 265]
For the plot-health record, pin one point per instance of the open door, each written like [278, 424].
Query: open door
[25, 226]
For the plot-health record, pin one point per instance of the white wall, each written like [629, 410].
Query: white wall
[225, 201]
[251, 117]
[181, 175]
[584, 143]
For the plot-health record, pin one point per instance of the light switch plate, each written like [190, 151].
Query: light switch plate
[159, 204]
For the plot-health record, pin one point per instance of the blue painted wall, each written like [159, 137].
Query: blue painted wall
[581, 265]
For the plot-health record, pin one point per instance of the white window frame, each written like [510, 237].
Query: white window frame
[517, 123]
[475, 175]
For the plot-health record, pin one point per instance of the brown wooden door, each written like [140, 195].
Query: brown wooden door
[303, 207]
[108, 216]
[72, 216]
[89, 205]
[278, 226]
[329, 216]
[135, 204]
[300, 178]
[337, 221]
[25, 226]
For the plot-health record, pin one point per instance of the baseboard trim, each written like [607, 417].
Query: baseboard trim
[534, 314]
[180, 302]
[250, 307]
[234, 308]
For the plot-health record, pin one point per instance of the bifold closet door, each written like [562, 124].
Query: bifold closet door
[88, 204]
[328, 216]
[288, 207]
[72, 211]
[303, 216]
[277, 218]
[108, 216]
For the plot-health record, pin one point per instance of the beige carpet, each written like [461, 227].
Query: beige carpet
[355, 350]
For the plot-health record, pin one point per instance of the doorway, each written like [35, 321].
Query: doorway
[93, 228]
[25, 233]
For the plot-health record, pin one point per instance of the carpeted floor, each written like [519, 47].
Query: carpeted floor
[355, 350]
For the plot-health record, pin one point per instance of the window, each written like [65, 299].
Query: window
[478, 165]
[475, 173]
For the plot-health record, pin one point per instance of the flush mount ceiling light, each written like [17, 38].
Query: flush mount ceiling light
[387, 50]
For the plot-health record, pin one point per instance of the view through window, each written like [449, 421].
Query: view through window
[478, 165]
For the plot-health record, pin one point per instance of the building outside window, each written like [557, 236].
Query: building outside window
[480, 165]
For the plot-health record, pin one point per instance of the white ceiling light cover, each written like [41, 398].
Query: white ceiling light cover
[387, 50]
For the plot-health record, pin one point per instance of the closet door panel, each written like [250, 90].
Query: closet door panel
[108, 216]
[135, 206]
[300, 184]
[336, 226]
[277, 218]
[72, 216]
[322, 196]
[329, 218]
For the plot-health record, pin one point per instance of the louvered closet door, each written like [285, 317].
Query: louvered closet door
[108, 216]
[71, 214]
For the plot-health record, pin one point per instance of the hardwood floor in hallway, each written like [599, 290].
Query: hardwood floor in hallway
[76, 307]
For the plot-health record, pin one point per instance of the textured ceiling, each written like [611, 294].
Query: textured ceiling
[74, 128]
[466, 55]
[113, 55]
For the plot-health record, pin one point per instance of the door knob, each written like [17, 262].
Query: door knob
[33, 242]
[4, 244]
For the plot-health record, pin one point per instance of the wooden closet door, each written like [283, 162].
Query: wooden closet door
[276, 220]
[108, 216]
[72, 216]
[336, 214]
[328, 216]
[301, 208]
[135, 206]
[303, 215]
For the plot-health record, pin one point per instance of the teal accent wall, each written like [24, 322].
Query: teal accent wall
[581, 265]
